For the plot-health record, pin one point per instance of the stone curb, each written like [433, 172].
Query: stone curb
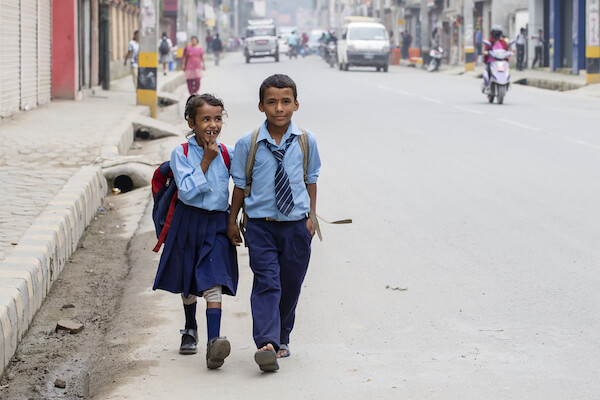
[118, 142]
[27, 274]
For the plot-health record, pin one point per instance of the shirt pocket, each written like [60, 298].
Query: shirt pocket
[292, 163]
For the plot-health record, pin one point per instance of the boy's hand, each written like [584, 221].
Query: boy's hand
[310, 226]
[233, 233]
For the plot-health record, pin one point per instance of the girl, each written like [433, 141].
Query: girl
[198, 259]
[193, 64]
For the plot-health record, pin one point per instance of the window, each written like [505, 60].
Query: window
[367, 33]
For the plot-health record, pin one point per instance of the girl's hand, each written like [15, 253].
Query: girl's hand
[211, 148]
[211, 151]
[203, 67]
[233, 233]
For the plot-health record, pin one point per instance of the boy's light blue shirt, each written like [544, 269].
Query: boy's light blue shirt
[208, 191]
[261, 202]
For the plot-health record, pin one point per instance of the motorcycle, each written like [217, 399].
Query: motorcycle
[331, 54]
[292, 52]
[435, 59]
[496, 76]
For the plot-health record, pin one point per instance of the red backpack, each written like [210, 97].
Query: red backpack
[164, 192]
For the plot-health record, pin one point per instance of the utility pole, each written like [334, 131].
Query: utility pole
[468, 38]
[181, 35]
[148, 57]
[382, 11]
[236, 18]
[425, 46]
[592, 37]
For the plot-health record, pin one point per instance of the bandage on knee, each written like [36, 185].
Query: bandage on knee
[191, 299]
[213, 295]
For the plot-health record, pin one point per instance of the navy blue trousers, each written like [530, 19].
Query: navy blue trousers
[279, 256]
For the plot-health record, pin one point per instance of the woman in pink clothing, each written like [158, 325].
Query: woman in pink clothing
[193, 64]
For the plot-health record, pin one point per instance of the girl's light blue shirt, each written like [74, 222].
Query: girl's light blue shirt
[208, 191]
[261, 202]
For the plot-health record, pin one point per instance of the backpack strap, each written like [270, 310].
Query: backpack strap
[249, 167]
[163, 232]
[250, 161]
[303, 142]
[226, 158]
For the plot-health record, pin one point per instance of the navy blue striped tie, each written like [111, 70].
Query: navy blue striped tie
[283, 191]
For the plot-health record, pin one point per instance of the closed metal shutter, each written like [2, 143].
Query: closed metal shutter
[29, 65]
[9, 57]
[44, 51]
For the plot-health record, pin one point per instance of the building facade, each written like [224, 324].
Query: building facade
[25, 55]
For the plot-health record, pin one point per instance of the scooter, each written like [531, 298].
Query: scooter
[435, 56]
[331, 54]
[496, 76]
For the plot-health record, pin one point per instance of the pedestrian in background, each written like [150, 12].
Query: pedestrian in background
[193, 64]
[165, 47]
[217, 47]
[538, 43]
[406, 42]
[133, 50]
[520, 42]
[278, 232]
[198, 259]
[209, 40]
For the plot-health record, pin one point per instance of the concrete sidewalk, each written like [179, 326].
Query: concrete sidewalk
[538, 77]
[51, 190]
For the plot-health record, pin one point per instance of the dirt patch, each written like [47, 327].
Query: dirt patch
[89, 291]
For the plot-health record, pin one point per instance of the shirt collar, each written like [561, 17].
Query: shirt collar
[263, 134]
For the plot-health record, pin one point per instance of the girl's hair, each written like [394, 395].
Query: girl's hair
[135, 33]
[198, 100]
[194, 37]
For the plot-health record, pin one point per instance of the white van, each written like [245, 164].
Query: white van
[364, 44]
[261, 40]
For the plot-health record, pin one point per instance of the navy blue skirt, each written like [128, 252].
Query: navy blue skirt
[197, 254]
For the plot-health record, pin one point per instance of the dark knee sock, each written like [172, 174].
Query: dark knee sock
[190, 316]
[213, 322]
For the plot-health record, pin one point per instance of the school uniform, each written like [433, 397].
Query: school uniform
[278, 244]
[197, 254]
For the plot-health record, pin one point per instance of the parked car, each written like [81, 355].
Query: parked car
[261, 40]
[364, 44]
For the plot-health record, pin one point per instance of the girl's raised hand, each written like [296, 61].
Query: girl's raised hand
[211, 148]
[211, 151]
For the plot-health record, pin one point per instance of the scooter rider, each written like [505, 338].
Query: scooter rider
[497, 41]
[332, 38]
[293, 40]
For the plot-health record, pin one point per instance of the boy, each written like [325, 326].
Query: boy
[538, 44]
[278, 232]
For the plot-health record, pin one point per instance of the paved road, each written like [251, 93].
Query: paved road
[470, 270]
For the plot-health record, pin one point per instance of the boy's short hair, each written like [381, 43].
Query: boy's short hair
[278, 81]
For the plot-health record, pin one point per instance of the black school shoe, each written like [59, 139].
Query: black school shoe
[216, 351]
[189, 338]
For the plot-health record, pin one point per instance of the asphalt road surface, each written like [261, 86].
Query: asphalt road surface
[470, 270]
